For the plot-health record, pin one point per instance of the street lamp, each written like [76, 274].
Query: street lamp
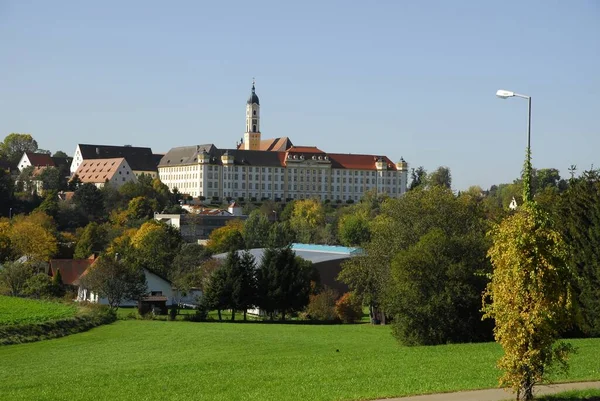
[504, 94]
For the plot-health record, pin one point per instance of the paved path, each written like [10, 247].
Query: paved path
[497, 394]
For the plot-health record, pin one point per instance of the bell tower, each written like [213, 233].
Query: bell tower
[252, 135]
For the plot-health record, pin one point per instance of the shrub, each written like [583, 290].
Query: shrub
[350, 201]
[39, 286]
[322, 306]
[348, 308]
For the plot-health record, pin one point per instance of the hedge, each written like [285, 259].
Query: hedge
[26, 333]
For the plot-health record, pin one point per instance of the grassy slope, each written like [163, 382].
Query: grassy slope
[15, 310]
[150, 360]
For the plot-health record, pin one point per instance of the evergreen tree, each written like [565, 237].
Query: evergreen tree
[58, 287]
[243, 283]
[579, 217]
[283, 282]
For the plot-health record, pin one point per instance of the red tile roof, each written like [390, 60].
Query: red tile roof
[98, 170]
[70, 269]
[358, 162]
[40, 159]
[304, 149]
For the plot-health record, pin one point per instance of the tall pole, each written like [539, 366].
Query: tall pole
[528, 189]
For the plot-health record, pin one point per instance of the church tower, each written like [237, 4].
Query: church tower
[252, 135]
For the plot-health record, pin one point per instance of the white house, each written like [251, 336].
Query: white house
[157, 287]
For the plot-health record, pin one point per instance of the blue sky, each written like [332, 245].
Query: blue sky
[414, 79]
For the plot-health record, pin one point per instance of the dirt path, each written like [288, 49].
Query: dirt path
[496, 394]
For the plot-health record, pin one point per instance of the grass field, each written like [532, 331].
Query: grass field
[579, 395]
[151, 360]
[15, 310]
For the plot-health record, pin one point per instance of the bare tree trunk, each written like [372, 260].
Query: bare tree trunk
[245, 310]
[219, 312]
[233, 314]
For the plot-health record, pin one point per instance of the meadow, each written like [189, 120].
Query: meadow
[15, 310]
[149, 360]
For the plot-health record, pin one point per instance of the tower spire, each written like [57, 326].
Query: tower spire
[252, 135]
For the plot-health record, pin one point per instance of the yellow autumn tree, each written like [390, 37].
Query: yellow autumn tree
[33, 236]
[307, 217]
[227, 238]
[529, 298]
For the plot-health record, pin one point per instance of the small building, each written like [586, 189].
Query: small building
[70, 269]
[197, 226]
[140, 159]
[43, 160]
[100, 172]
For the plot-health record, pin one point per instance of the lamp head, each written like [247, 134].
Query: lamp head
[504, 94]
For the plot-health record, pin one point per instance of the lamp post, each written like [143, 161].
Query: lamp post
[10, 213]
[504, 94]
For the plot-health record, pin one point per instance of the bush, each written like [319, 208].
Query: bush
[348, 308]
[350, 201]
[39, 286]
[322, 306]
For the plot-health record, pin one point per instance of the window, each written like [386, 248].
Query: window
[253, 112]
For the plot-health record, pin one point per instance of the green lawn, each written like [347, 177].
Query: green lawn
[156, 360]
[579, 395]
[15, 310]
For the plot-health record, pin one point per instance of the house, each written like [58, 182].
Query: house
[42, 160]
[159, 287]
[99, 172]
[70, 269]
[141, 160]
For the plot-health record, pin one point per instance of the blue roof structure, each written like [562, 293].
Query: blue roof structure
[311, 252]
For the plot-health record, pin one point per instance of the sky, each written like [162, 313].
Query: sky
[411, 79]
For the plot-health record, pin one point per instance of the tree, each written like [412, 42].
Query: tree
[529, 297]
[14, 145]
[51, 179]
[418, 178]
[280, 235]
[34, 236]
[353, 229]
[321, 306]
[307, 217]
[348, 308]
[141, 208]
[579, 222]
[227, 238]
[58, 288]
[243, 283]
[93, 239]
[283, 282]
[441, 177]
[5, 245]
[155, 246]
[191, 268]
[59, 153]
[217, 292]
[435, 293]
[50, 204]
[88, 198]
[6, 192]
[256, 230]
[38, 286]
[115, 280]
[14, 276]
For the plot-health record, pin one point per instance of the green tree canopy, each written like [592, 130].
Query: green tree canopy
[14, 145]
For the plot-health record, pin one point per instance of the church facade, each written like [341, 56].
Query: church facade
[275, 169]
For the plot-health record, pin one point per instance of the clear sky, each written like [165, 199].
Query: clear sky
[414, 79]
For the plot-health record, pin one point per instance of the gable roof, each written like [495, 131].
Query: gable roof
[40, 159]
[184, 155]
[361, 162]
[273, 144]
[138, 158]
[70, 269]
[98, 170]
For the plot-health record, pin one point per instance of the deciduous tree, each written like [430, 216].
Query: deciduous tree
[115, 280]
[14, 145]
